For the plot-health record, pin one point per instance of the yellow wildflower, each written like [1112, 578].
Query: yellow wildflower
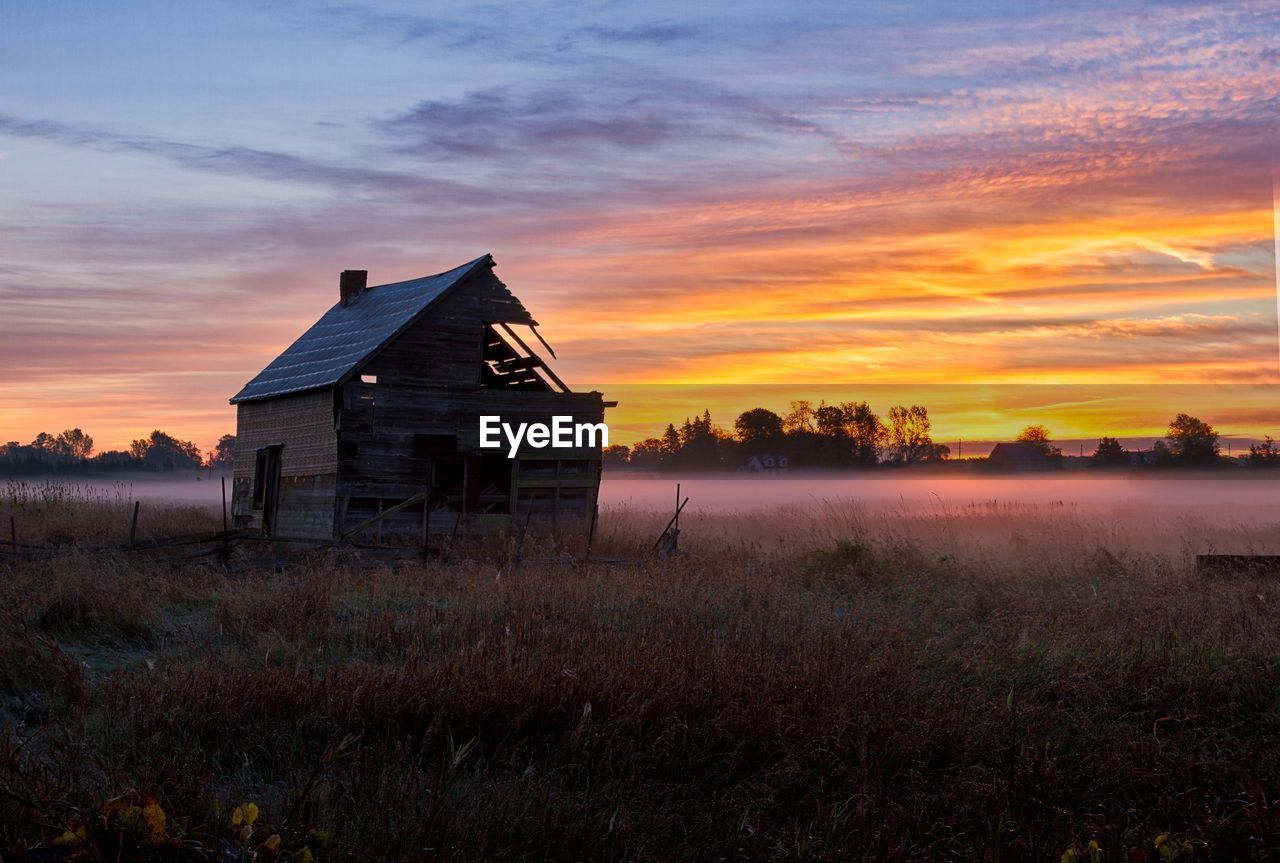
[68, 838]
[155, 819]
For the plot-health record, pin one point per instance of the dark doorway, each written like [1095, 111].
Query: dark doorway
[266, 485]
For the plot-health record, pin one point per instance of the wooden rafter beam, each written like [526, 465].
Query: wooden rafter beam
[550, 349]
[528, 350]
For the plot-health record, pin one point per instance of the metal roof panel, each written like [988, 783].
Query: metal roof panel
[346, 335]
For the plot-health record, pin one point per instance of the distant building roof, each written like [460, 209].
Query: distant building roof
[346, 335]
[1018, 451]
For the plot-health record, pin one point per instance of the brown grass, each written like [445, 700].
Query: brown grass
[829, 683]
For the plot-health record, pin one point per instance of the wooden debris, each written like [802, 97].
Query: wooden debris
[669, 540]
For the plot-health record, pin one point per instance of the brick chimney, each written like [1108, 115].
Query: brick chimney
[350, 284]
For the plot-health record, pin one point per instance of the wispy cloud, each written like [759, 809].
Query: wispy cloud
[681, 194]
[241, 161]
[539, 125]
[652, 33]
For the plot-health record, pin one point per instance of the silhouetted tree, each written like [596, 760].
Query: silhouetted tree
[843, 435]
[161, 451]
[648, 454]
[116, 459]
[867, 434]
[75, 444]
[45, 442]
[1192, 441]
[1110, 453]
[759, 430]
[909, 440]
[701, 443]
[670, 443]
[799, 420]
[67, 451]
[224, 452]
[1265, 454]
[615, 456]
[1039, 436]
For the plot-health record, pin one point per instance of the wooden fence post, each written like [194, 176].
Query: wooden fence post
[675, 535]
[133, 527]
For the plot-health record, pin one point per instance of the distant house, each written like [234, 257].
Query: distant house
[1018, 456]
[378, 405]
[766, 464]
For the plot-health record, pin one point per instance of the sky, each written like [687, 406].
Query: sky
[871, 194]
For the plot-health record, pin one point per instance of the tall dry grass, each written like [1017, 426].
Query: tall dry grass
[830, 683]
[56, 513]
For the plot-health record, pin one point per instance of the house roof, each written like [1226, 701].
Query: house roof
[1016, 451]
[346, 335]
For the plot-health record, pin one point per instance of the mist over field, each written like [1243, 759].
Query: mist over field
[814, 676]
[1219, 497]
[981, 517]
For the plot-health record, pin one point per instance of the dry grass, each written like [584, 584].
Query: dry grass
[830, 683]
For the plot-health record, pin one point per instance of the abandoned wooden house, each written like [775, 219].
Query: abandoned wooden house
[375, 411]
[1018, 456]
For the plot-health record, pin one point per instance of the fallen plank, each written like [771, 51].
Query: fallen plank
[368, 522]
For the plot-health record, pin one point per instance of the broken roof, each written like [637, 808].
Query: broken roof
[346, 335]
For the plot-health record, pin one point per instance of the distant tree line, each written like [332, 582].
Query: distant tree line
[1189, 442]
[852, 435]
[808, 436]
[72, 452]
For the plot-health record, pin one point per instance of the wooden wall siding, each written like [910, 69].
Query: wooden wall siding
[304, 423]
[305, 509]
[379, 459]
[378, 436]
[445, 346]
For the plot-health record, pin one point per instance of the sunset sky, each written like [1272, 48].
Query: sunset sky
[748, 193]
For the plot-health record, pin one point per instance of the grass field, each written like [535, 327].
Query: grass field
[830, 682]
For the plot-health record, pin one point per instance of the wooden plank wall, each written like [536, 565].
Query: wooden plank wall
[304, 424]
[305, 509]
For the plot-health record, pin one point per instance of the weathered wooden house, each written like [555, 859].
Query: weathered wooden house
[1018, 457]
[379, 403]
